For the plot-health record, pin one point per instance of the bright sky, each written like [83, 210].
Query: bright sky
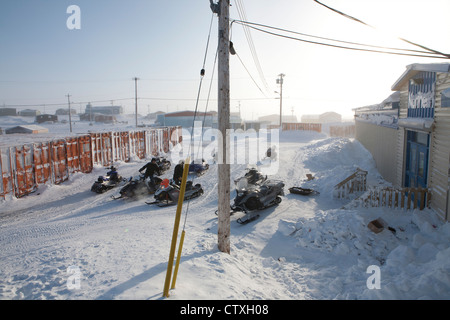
[163, 43]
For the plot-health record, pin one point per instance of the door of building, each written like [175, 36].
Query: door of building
[417, 159]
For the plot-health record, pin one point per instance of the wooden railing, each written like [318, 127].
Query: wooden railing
[390, 197]
[352, 184]
[404, 198]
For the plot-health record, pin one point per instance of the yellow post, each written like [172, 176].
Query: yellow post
[175, 228]
[177, 264]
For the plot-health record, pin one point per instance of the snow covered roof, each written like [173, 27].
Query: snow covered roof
[385, 106]
[27, 129]
[413, 69]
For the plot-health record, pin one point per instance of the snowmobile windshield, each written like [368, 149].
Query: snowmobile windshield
[242, 185]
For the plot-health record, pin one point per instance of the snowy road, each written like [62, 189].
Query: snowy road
[69, 243]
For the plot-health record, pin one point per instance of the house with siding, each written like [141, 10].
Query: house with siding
[327, 117]
[185, 119]
[420, 138]
[26, 129]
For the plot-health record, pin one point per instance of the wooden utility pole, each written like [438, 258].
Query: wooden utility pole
[135, 99]
[70, 112]
[280, 82]
[224, 126]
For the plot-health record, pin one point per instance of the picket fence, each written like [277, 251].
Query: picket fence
[355, 185]
[397, 198]
[23, 168]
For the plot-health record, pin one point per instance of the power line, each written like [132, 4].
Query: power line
[241, 12]
[329, 39]
[131, 99]
[250, 25]
[447, 56]
[249, 73]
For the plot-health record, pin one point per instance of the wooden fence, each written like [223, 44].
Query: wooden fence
[352, 184]
[24, 168]
[373, 196]
[302, 126]
[402, 198]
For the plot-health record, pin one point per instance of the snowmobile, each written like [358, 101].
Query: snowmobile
[198, 169]
[136, 187]
[105, 183]
[168, 192]
[163, 164]
[254, 197]
[253, 176]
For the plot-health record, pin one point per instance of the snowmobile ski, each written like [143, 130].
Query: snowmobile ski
[161, 203]
[167, 194]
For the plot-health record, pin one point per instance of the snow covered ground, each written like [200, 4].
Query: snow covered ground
[65, 242]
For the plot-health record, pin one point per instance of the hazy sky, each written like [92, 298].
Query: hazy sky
[163, 43]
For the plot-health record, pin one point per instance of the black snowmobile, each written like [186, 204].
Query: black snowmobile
[252, 176]
[163, 164]
[105, 183]
[168, 193]
[255, 197]
[198, 168]
[137, 187]
[253, 193]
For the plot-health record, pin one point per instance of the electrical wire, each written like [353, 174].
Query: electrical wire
[241, 12]
[447, 56]
[202, 74]
[329, 39]
[249, 74]
[250, 25]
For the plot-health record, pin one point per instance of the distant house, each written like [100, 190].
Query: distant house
[111, 110]
[153, 115]
[26, 129]
[8, 112]
[65, 112]
[235, 120]
[29, 113]
[87, 116]
[185, 119]
[327, 117]
[105, 118]
[255, 125]
[46, 118]
[274, 119]
[414, 150]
